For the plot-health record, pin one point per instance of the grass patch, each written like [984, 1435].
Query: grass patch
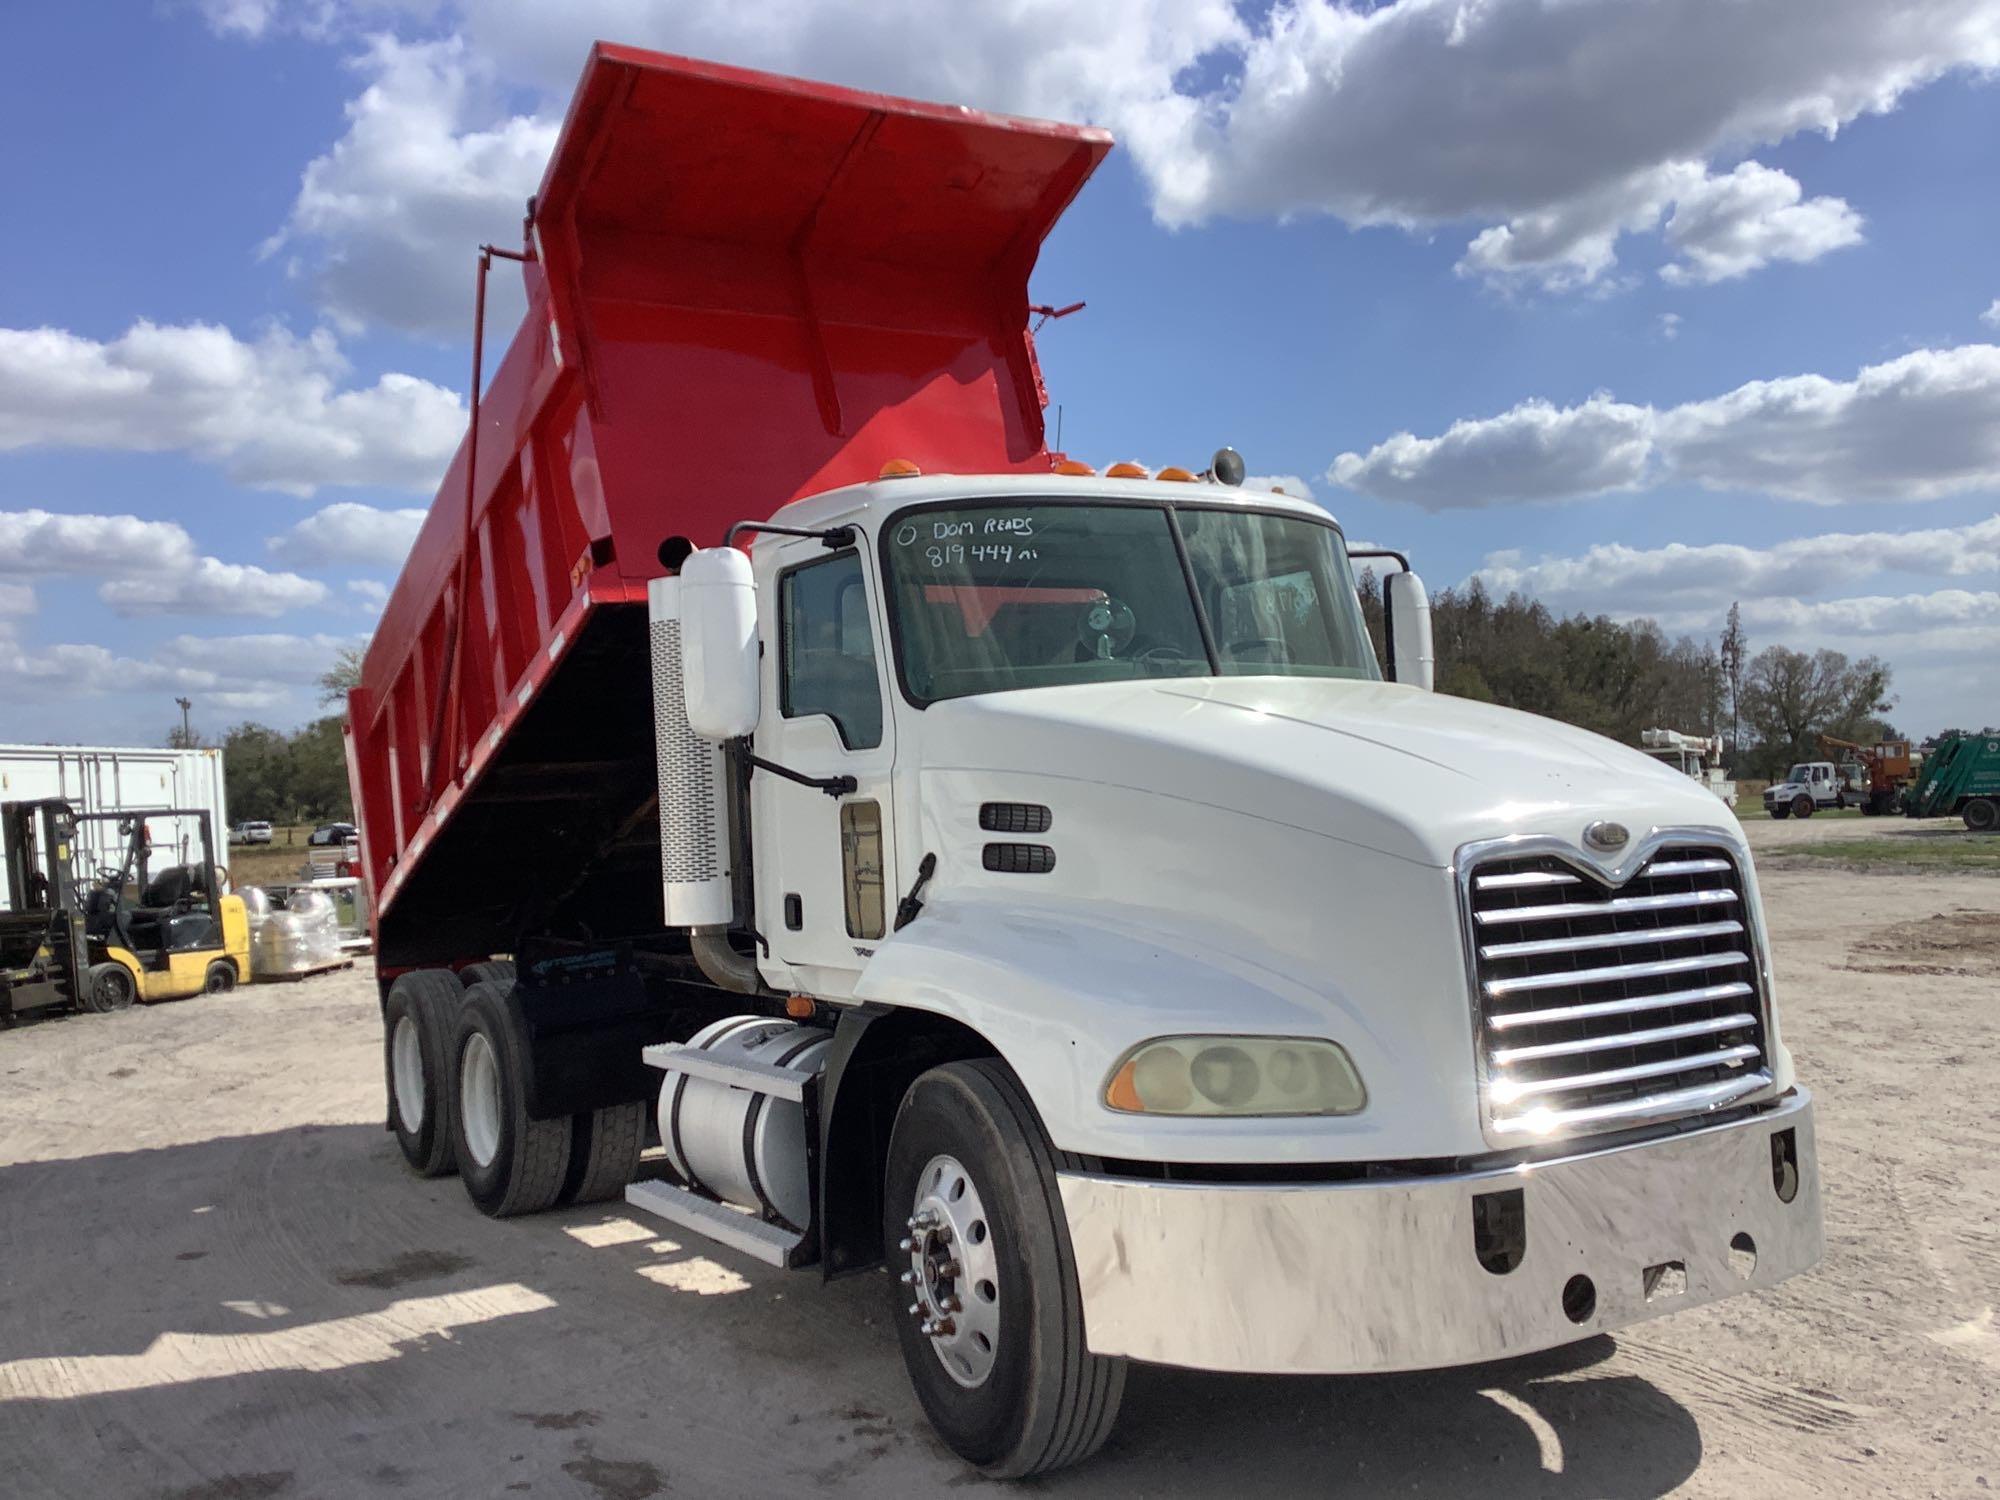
[275, 863]
[1747, 808]
[1963, 852]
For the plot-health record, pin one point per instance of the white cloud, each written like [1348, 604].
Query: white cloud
[36, 542]
[386, 224]
[1670, 326]
[1881, 614]
[1535, 451]
[1732, 225]
[16, 598]
[232, 674]
[1291, 484]
[271, 412]
[1567, 123]
[1914, 428]
[1680, 579]
[369, 595]
[211, 587]
[1562, 126]
[1991, 317]
[348, 533]
[243, 18]
[151, 567]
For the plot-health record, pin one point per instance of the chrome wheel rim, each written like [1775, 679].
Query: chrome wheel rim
[954, 1275]
[479, 1099]
[406, 1073]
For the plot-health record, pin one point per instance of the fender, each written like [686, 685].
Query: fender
[1061, 991]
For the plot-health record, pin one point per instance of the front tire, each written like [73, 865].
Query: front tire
[417, 1024]
[1802, 806]
[510, 1163]
[221, 977]
[108, 986]
[1034, 1398]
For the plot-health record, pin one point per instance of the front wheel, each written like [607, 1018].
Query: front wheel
[1981, 814]
[109, 986]
[1802, 806]
[221, 977]
[1779, 811]
[987, 1310]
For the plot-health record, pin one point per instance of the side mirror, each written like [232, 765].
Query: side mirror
[1408, 608]
[718, 614]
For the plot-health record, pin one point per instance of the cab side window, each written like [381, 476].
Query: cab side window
[827, 651]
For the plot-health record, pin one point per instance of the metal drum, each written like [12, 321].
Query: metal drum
[742, 1147]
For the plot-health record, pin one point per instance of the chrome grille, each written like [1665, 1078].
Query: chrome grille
[1601, 1008]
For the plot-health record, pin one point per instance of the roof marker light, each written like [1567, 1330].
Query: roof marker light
[899, 468]
[1126, 471]
[1073, 466]
[1175, 474]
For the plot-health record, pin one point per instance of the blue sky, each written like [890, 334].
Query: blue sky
[1642, 305]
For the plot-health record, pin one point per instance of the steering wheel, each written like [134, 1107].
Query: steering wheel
[1163, 652]
[1107, 627]
[110, 877]
[1273, 649]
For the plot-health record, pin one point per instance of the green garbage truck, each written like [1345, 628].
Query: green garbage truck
[1961, 775]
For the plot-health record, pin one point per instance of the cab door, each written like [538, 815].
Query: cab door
[823, 872]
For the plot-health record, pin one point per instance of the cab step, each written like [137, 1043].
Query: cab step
[769, 1243]
[740, 1073]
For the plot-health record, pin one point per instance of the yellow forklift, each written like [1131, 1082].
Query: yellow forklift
[121, 934]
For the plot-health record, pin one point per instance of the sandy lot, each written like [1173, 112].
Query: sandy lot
[217, 1282]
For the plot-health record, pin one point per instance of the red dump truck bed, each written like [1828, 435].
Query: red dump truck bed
[741, 289]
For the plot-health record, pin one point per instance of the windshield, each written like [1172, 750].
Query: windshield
[1800, 772]
[989, 597]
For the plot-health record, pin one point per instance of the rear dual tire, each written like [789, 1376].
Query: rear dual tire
[417, 1027]
[510, 1164]
[1981, 814]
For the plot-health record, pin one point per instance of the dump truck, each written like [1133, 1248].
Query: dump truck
[1961, 775]
[799, 803]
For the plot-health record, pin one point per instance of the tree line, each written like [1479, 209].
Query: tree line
[1619, 678]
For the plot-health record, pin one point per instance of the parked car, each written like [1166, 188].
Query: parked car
[250, 833]
[333, 833]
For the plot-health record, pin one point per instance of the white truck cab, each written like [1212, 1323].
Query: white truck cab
[1812, 785]
[1360, 1028]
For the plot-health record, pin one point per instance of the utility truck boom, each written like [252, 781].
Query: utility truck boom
[1015, 883]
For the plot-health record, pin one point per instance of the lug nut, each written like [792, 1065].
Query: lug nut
[908, 1278]
[952, 1305]
[915, 1308]
[906, 1245]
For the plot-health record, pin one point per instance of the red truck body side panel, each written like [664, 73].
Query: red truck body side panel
[742, 289]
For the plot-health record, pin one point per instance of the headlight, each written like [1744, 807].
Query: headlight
[1235, 1075]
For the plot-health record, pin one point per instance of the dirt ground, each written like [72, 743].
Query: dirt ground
[217, 1282]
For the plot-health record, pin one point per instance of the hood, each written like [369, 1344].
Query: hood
[1394, 769]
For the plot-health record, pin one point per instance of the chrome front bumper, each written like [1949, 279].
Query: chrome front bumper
[1342, 1278]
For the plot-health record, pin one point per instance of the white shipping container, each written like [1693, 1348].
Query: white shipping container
[94, 778]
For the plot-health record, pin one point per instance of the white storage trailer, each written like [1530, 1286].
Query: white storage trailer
[105, 778]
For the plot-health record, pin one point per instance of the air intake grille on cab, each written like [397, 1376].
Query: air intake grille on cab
[1602, 1008]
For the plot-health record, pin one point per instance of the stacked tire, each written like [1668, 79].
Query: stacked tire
[457, 1071]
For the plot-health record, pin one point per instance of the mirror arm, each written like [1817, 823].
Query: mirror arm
[833, 538]
[833, 786]
[1388, 614]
